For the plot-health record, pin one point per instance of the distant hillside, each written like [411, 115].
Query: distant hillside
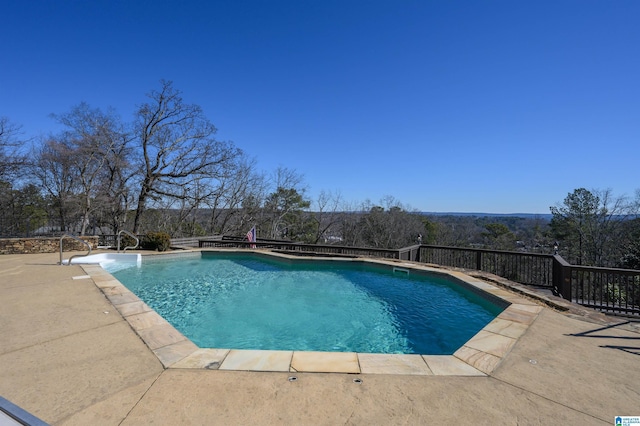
[546, 216]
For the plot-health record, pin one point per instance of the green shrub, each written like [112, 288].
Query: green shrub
[126, 241]
[160, 241]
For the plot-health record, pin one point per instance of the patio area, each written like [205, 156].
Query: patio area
[69, 357]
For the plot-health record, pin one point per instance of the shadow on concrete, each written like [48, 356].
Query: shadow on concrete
[634, 350]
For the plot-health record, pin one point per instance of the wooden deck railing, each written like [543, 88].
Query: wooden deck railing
[300, 248]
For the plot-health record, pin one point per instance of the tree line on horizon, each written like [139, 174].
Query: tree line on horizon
[166, 172]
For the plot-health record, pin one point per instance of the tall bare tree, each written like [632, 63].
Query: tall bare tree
[58, 177]
[232, 209]
[177, 147]
[115, 196]
[11, 158]
[94, 138]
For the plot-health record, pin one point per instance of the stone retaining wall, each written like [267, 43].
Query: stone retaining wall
[44, 245]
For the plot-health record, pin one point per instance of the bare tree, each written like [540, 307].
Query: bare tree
[326, 215]
[93, 138]
[231, 208]
[349, 229]
[284, 177]
[455, 231]
[115, 195]
[387, 225]
[57, 175]
[177, 148]
[11, 159]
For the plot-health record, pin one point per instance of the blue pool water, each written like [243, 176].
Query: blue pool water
[246, 301]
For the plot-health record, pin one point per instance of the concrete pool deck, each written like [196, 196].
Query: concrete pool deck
[69, 357]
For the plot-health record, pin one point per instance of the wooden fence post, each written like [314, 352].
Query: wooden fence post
[561, 277]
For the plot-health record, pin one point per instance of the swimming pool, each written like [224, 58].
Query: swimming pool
[253, 301]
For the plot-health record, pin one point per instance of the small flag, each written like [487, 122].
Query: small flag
[251, 236]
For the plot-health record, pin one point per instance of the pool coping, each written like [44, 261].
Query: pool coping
[479, 356]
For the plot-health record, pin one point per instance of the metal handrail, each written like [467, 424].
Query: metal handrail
[132, 236]
[75, 255]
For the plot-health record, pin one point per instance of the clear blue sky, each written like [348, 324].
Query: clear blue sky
[494, 106]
